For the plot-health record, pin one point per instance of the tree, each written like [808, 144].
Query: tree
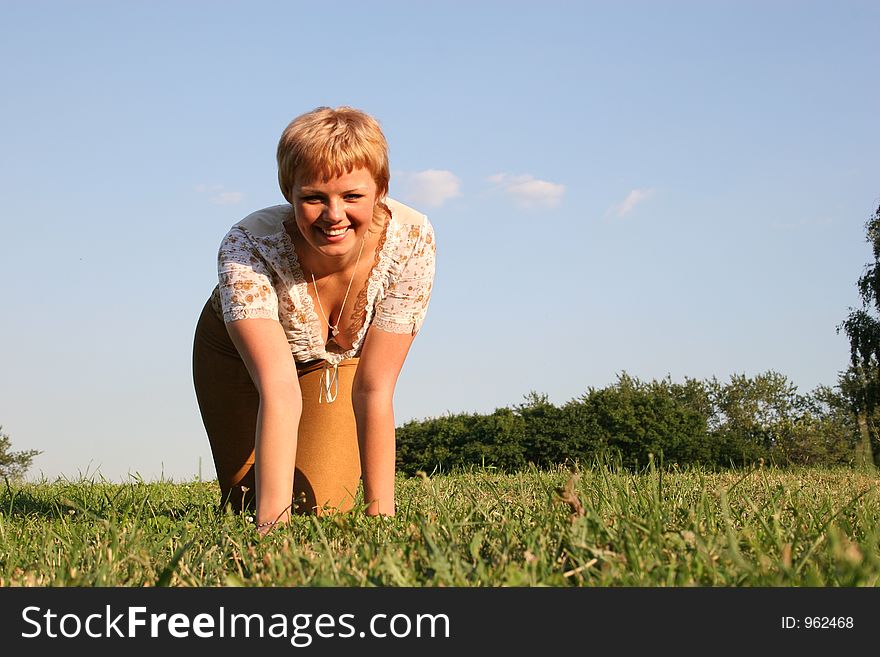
[862, 327]
[13, 464]
[754, 417]
[555, 435]
[638, 421]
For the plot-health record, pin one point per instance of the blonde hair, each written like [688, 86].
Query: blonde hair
[326, 143]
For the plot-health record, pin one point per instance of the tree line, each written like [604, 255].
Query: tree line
[708, 423]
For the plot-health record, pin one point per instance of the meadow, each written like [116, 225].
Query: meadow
[599, 526]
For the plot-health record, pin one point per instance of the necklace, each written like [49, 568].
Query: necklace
[334, 328]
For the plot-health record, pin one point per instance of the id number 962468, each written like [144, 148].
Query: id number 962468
[818, 622]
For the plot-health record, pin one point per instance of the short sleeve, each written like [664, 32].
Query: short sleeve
[245, 280]
[403, 308]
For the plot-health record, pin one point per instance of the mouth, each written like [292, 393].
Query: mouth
[335, 234]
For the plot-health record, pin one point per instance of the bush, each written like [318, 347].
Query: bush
[13, 465]
[826, 433]
[461, 440]
[554, 435]
[636, 420]
[707, 423]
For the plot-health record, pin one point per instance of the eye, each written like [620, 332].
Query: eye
[353, 197]
[311, 199]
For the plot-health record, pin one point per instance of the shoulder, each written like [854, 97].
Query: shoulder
[413, 228]
[403, 214]
[257, 237]
[265, 222]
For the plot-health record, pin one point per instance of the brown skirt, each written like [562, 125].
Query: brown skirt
[328, 466]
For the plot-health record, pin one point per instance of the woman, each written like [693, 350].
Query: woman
[298, 350]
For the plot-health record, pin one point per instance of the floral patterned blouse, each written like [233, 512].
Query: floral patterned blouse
[260, 276]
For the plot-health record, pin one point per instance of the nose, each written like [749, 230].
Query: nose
[335, 211]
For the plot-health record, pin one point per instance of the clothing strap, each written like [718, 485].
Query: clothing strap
[329, 383]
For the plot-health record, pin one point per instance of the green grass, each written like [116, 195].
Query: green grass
[763, 527]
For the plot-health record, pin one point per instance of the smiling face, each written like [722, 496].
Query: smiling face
[334, 216]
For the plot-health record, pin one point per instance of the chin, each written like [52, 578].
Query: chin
[334, 250]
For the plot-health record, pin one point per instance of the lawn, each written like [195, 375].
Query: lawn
[602, 526]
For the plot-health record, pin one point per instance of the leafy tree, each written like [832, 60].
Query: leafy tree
[754, 416]
[824, 432]
[636, 419]
[431, 443]
[857, 387]
[711, 423]
[862, 327]
[461, 439]
[555, 435]
[495, 440]
[13, 464]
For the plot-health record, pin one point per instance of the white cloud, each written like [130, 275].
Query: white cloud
[431, 188]
[529, 192]
[227, 198]
[218, 196]
[628, 204]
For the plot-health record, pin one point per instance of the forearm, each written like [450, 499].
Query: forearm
[275, 454]
[374, 414]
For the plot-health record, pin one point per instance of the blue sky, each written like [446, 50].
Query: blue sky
[674, 188]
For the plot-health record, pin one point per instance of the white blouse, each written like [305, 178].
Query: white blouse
[260, 276]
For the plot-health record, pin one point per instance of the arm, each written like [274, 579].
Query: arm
[372, 396]
[266, 354]
[398, 318]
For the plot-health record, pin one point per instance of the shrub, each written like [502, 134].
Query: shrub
[636, 419]
[13, 465]
[707, 423]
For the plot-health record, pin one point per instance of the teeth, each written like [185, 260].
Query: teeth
[334, 232]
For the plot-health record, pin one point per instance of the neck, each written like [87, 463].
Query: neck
[315, 262]
[322, 265]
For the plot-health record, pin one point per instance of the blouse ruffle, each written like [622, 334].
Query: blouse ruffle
[259, 275]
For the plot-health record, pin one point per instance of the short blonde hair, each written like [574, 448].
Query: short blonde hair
[326, 143]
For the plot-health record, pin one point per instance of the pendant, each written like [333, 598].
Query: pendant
[334, 330]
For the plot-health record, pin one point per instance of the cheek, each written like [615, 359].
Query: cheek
[304, 215]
